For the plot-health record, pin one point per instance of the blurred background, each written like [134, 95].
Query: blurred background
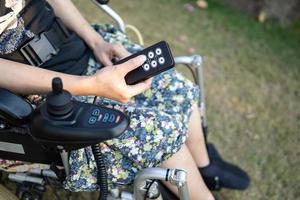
[252, 78]
[251, 51]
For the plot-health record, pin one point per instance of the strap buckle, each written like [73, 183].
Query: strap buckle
[39, 50]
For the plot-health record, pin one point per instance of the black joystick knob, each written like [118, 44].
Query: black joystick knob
[59, 102]
[57, 86]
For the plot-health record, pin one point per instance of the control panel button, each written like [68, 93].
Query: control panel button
[105, 118]
[153, 63]
[112, 118]
[150, 54]
[161, 60]
[96, 112]
[92, 120]
[146, 67]
[158, 51]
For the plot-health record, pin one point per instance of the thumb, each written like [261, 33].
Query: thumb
[132, 64]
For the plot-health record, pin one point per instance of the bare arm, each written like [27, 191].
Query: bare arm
[108, 82]
[26, 79]
[72, 18]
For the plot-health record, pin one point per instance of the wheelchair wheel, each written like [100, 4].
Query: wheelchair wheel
[6, 194]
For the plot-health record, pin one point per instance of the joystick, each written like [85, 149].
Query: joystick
[58, 101]
[73, 124]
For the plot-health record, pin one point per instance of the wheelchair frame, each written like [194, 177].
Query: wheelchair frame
[176, 177]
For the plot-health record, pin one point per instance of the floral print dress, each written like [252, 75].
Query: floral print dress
[12, 30]
[158, 126]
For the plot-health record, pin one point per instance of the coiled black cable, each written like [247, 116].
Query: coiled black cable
[101, 172]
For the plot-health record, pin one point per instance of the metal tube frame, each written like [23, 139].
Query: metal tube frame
[176, 177]
[195, 65]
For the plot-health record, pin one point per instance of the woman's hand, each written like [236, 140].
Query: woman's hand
[105, 52]
[109, 82]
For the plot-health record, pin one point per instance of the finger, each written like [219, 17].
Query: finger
[106, 61]
[120, 51]
[131, 64]
[103, 59]
[140, 87]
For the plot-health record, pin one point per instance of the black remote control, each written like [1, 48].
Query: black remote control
[159, 59]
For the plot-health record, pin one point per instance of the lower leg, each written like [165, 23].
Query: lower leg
[184, 160]
[228, 175]
[196, 140]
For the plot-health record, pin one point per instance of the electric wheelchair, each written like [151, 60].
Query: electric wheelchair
[47, 133]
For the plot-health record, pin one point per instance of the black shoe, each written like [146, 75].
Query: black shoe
[221, 174]
[213, 154]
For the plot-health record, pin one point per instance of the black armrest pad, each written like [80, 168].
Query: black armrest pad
[13, 108]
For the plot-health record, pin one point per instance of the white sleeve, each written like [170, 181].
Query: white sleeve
[9, 13]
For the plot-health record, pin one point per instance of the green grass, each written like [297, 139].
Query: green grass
[252, 85]
[252, 74]
[252, 81]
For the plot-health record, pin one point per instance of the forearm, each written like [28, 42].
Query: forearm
[71, 17]
[26, 79]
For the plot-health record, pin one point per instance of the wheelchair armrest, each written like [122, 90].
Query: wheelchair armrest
[13, 109]
[194, 64]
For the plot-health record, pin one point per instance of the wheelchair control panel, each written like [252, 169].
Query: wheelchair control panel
[100, 117]
[74, 124]
[159, 59]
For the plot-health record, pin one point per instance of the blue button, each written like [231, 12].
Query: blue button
[92, 120]
[96, 112]
[105, 118]
[111, 118]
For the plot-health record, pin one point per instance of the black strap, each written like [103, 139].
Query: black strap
[58, 33]
[42, 47]
[46, 45]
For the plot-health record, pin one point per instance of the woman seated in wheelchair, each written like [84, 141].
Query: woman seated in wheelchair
[165, 128]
